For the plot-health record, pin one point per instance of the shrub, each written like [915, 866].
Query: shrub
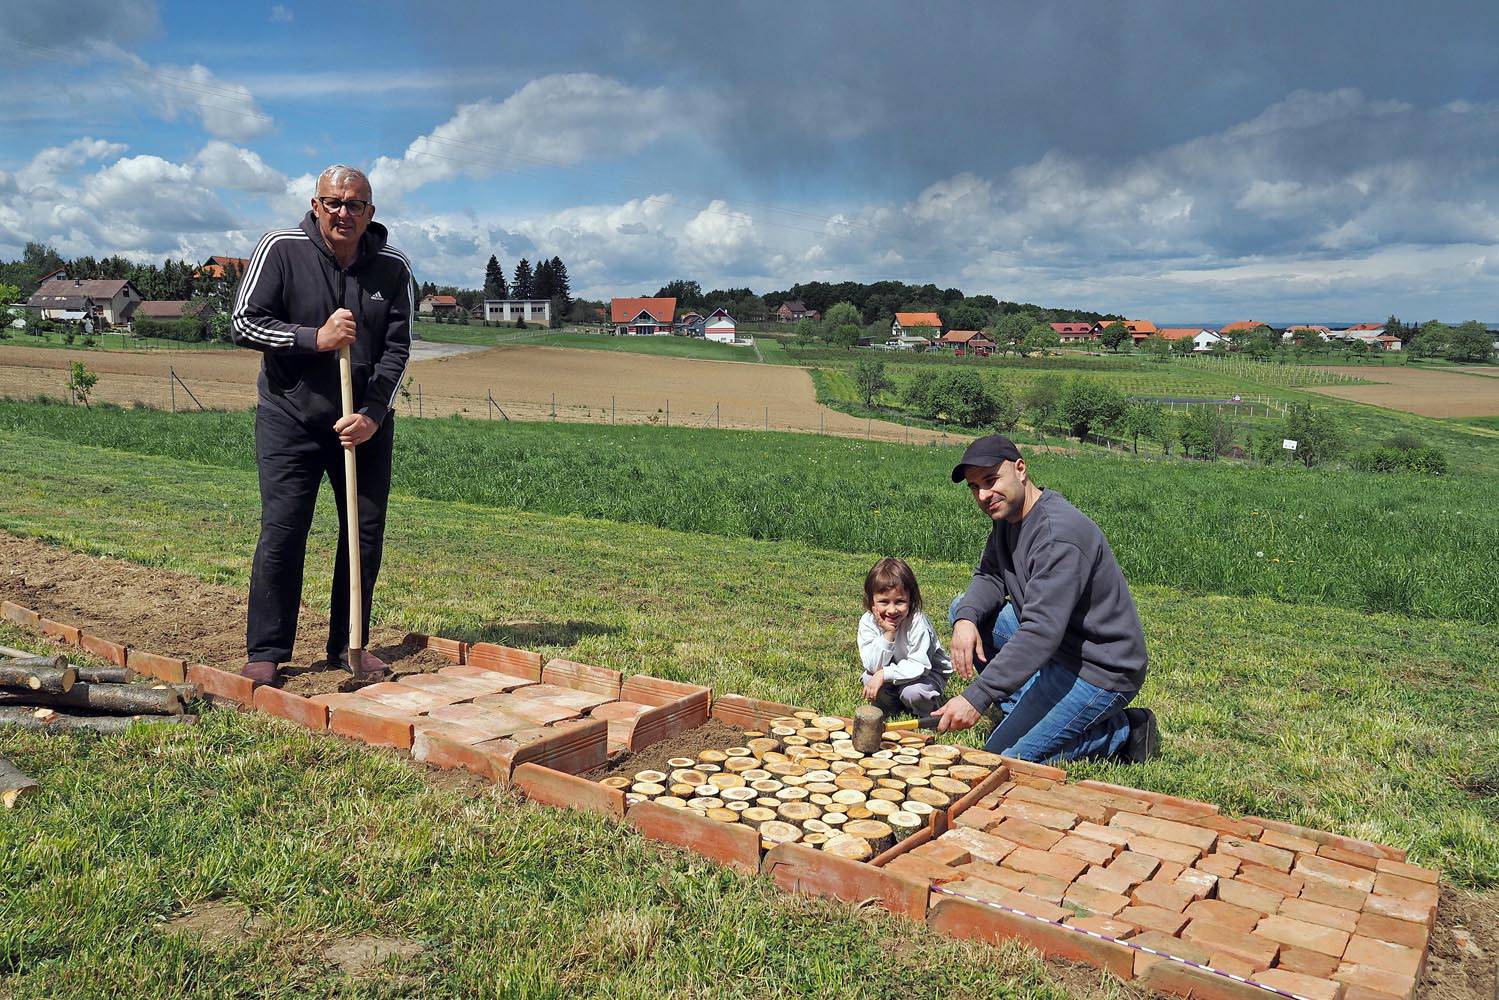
[1090, 405]
[1425, 460]
[958, 396]
[185, 330]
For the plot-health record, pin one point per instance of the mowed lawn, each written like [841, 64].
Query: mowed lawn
[1376, 726]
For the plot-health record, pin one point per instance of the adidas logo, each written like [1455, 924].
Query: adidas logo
[377, 297]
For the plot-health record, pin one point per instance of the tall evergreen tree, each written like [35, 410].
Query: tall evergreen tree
[523, 288]
[494, 279]
[561, 286]
[541, 285]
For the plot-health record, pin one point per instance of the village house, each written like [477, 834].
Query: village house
[1242, 326]
[907, 342]
[963, 342]
[1074, 333]
[538, 311]
[103, 301]
[719, 326]
[438, 305]
[1303, 330]
[794, 309]
[916, 324]
[220, 267]
[643, 317]
[690, 324]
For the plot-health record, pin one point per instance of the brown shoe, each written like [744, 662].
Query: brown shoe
[262, 672]
[370, 670]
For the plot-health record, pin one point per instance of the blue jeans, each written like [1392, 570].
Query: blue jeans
[1055, 715]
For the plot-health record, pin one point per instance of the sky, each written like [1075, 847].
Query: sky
[1179, 161]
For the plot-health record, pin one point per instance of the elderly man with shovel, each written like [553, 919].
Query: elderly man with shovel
[330, 304]
[1047, 630]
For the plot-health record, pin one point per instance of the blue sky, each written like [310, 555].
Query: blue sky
[1202, 161]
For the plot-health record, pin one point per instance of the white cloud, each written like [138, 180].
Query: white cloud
[553, 121]
[720, 237]
[281, 14]
[225, 109]
[221, 164]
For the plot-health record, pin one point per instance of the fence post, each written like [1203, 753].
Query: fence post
[767, 418]
[668, 413]
[554, 407]
[611, 411]
[172, 387]
[418, 399]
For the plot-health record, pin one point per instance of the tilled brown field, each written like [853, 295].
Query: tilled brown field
[525, 383]
[1424, 391]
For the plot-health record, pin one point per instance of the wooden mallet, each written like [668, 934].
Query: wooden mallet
[870, 726]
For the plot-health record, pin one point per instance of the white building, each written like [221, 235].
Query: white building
[110, 302]
[538, 311]
[720, 327]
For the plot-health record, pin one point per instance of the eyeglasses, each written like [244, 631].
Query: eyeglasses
[356, 206]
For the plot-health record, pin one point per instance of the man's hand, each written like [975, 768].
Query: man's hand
[873, 684]
[956, 714]
[967, 650]
[355, 430]
[337, 332]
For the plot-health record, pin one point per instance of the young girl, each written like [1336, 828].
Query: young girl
[905, 665]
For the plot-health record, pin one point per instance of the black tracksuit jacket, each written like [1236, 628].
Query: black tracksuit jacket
[292, 286]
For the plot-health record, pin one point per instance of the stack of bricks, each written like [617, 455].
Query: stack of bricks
[1296, 910]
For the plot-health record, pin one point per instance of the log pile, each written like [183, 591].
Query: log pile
[48, 693]
[803, 782]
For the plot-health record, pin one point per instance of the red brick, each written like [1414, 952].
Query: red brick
[978, 818]
[111, 652]
[1384, 955]
[376, 730]
[1260, 854]
[1355, 858]
[1372, 977]
[1165, 829]
[1044, 887]
[1175, 947]
[1095, 900]
[1333, 895]
[1221, 865]
[424, 728]
[1109, 881]
[1245, 894]
[1250, 947]
[430, 746]
[1387, 884]
[541, 711]
[748, 713]
[1162, 894]
[222, 684]
[1169, 871]
[504, 660]
[292, 707]
[451, 648]
[1400, 909]
[167, 668]
[1404, 932]
[1154, 918]
[1182, 812]
[1151, 798]
[59, 631]
[406, 698]
[1091, 851]
[730, 844]
[1054, 819]
[1216, 910]
[1010, 879]
[921, 869]
[573, 747]
[1200, 883]
[944, 851]
[1224, 824]
[1406, 871]
[1287, 884]
[1166, 850]
[1313, 866]
[583, 677]
[1287, 842]
[1062, 867]
[994, 784]
[979, 845]
[1024, 832]
[492, 721]
[1120, 930]
[1185, 981]
[804, 870]
[1363, 993]
[1308, 963]
[1029, 767]
[1141, 866]
[1111, 835]
[1295, 933]
[1310, 987]
[964, 920]
[665, 721]
[19, 614]
[1066, 798]
[1233, 964]
[1320, 913]
[456, 688]
[1323, 837]
[497, 680]
[554, 788]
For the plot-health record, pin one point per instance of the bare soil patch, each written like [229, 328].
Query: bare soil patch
[1429, 392]
[218, 924]
[588, 386]
[360, 956]
[711, 735]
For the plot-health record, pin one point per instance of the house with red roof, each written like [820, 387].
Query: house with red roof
[1242, 326]
[438, 305]
[963, 342]
[1074, 333]
[643, 317]
[916, 324]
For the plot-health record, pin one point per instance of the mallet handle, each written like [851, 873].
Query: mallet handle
[925, 722]
[351, 514]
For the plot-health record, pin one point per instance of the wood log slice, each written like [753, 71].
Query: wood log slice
[792, 794]
[712, 756]
[812, 735]
[655, 777]
[849, 796]
[795, 740]
[649, 789]
[705, 791]
[904, 824]
[857, 782]
[821, 787]
[682, 789]
[721, 815]
[762, 746]
[887, 794]
[774, 832]
[908, 771]
[930, 796]
[689, 776]
[894, 783]
[941, 751]
[834, 819]
[831, 723]
[767, 785]
[766, 802]
[738, 765]
[738, 752]
[805, 717]
[820, 800]
[849, 846]
[709, 768]
[617, 781]
[922, 809]
[880, 808]
[752, 734]
[738, 794]
[737, 807]
[726, 780]
[752, 776]
[783, 769]
[814, 839]
[950, 786]
[969, 773]
[794, 780]
[981, 758]
[672, 802]
[821, 775]
[703, 804]
[781, 732]
[798, 812]
[755, 815]
[680, 762]
[43, 674]
[878, 833]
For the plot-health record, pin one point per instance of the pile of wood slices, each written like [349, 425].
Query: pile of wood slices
[47, 693]
[803, 782]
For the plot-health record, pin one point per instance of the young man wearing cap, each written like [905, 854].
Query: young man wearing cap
[1047, 630]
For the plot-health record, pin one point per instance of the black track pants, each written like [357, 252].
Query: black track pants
[293, 461]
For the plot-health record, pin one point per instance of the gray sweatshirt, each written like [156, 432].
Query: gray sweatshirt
[1070, 599]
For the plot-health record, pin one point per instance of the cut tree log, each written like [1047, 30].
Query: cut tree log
[48, 674]
[104, 675]
[116, 699]
[904, 824]
[13, 784]
[22, 717]
[846, 845]
[773, 832]
[879, 834]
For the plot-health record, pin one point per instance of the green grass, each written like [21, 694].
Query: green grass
[670, 347]
[1356, 540]
[111, 342]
